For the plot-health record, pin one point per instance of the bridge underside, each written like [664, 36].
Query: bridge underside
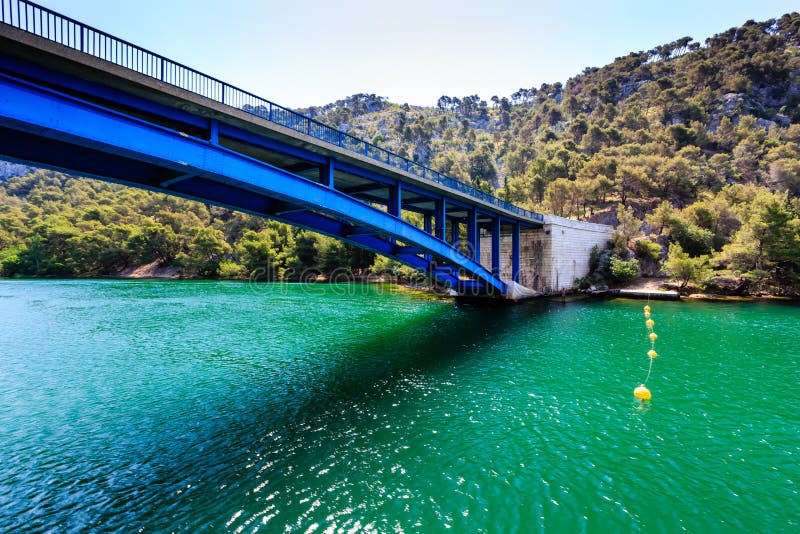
[53, 129]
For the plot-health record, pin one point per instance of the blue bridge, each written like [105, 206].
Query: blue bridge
[74, 98]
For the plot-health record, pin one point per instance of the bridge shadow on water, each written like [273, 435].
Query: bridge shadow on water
[350, 376]
[359, 371]
[425, 344]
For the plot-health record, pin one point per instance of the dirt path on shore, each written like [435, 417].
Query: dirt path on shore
[645, 284]
[150, 270]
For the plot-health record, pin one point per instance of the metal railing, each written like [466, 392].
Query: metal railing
[53, 26]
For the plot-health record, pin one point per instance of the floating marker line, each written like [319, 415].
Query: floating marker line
[641, 392]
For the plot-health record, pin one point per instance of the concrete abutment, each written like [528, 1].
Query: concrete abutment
[551, 257]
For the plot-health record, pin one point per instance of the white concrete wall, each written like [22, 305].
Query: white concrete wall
[571, 243]
[550, 258]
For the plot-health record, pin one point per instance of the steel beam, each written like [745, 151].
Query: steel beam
[326, 173]
[473, 236]
[515, 251]
[395, 206]
[440, 218]
[496, 223]
[454, 231]
[213, 131]
[364, 188]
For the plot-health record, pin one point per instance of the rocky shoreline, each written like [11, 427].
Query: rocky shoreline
[716, 289]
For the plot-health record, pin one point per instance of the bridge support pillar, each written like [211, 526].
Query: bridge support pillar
[454, 227]
[496, 222]
[326, 173]
[473, 236]
[515, 250]
[441, 219]
[213, 131]
[427, 227]
[396, 199]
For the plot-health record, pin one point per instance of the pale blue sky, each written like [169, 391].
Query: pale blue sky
[304, 52]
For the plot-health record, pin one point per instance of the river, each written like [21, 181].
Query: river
[160, 406]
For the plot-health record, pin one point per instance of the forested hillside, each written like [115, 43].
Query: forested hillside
[700, 142]
[56, 225]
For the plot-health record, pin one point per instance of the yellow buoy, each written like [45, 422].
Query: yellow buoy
[650, 323]
[653, 336]
[647, 309]
[647, 315]
[652, 353]
[642, 393]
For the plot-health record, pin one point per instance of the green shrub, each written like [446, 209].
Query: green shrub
[623, 270]
[619, 244]
[594, 258]
[230, 270]
[646, 249]
[11, 261]
[683, 268]
[693, 239]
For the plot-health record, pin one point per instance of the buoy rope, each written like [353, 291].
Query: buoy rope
[650, 370]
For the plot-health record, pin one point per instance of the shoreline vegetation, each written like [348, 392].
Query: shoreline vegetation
[690, 150]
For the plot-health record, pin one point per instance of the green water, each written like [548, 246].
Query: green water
[202, 406]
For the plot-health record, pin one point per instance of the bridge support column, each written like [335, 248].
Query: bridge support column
[473, 236]
[326, 173]
[396, 200]
[454, 227]
[213, 131]
[496, 246]
[515, 248]
[441, 218]
[427, 227]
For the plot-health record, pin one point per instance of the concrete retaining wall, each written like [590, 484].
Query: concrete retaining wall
[551, 258]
